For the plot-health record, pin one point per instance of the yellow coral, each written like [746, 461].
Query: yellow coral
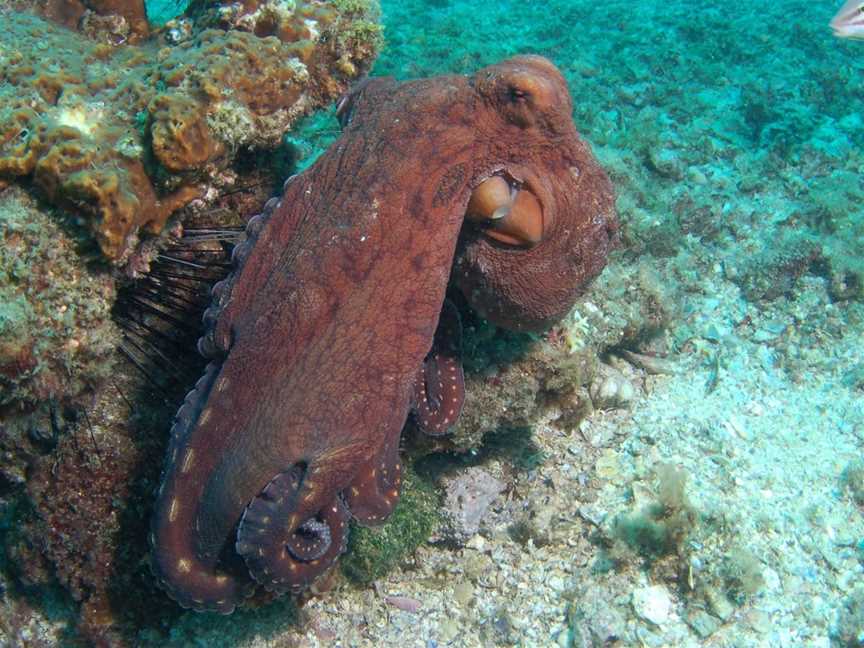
[181, 137]
[86, 123]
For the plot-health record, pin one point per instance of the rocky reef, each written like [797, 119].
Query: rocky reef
[123, 130]
[114, 135]
[56, 333]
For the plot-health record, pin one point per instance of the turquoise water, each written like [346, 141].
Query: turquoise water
[714, 494]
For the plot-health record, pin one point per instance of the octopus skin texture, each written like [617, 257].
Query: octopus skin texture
[334, 328]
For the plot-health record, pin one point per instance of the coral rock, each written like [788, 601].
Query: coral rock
[181, 138]
[56, 333]
[467, 499]
[124, 136]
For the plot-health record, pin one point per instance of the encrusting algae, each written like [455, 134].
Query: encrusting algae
[56, 334]
[125, 134]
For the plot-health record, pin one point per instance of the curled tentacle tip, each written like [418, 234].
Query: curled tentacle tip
[310, 541]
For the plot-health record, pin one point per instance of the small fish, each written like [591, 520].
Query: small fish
[849, 21]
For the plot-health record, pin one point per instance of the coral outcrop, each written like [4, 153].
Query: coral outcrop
[111, 21]
[57, 347]
[124, 134]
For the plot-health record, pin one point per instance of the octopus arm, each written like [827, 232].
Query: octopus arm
[286, 537]
[190, 580]
[439, 388]
[373, 493]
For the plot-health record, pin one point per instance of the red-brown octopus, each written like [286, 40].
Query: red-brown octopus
[334, 325]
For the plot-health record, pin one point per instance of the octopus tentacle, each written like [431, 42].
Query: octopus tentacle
[188, 579]
[439, 388]
[285, 540]
[310, 541]
[216, 341]
[374, 492]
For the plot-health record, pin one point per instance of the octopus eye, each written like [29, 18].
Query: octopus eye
[507, 211]
[518, 95]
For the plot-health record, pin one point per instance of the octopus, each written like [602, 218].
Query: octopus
[334, 327]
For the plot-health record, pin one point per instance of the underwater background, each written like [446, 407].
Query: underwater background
[679, 463]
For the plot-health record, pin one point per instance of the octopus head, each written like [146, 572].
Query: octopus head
[540, 220]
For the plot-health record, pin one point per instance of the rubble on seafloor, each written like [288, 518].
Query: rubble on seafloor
[467, 497]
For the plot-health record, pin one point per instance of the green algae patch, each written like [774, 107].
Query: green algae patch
[663, 526]
[372, 552]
